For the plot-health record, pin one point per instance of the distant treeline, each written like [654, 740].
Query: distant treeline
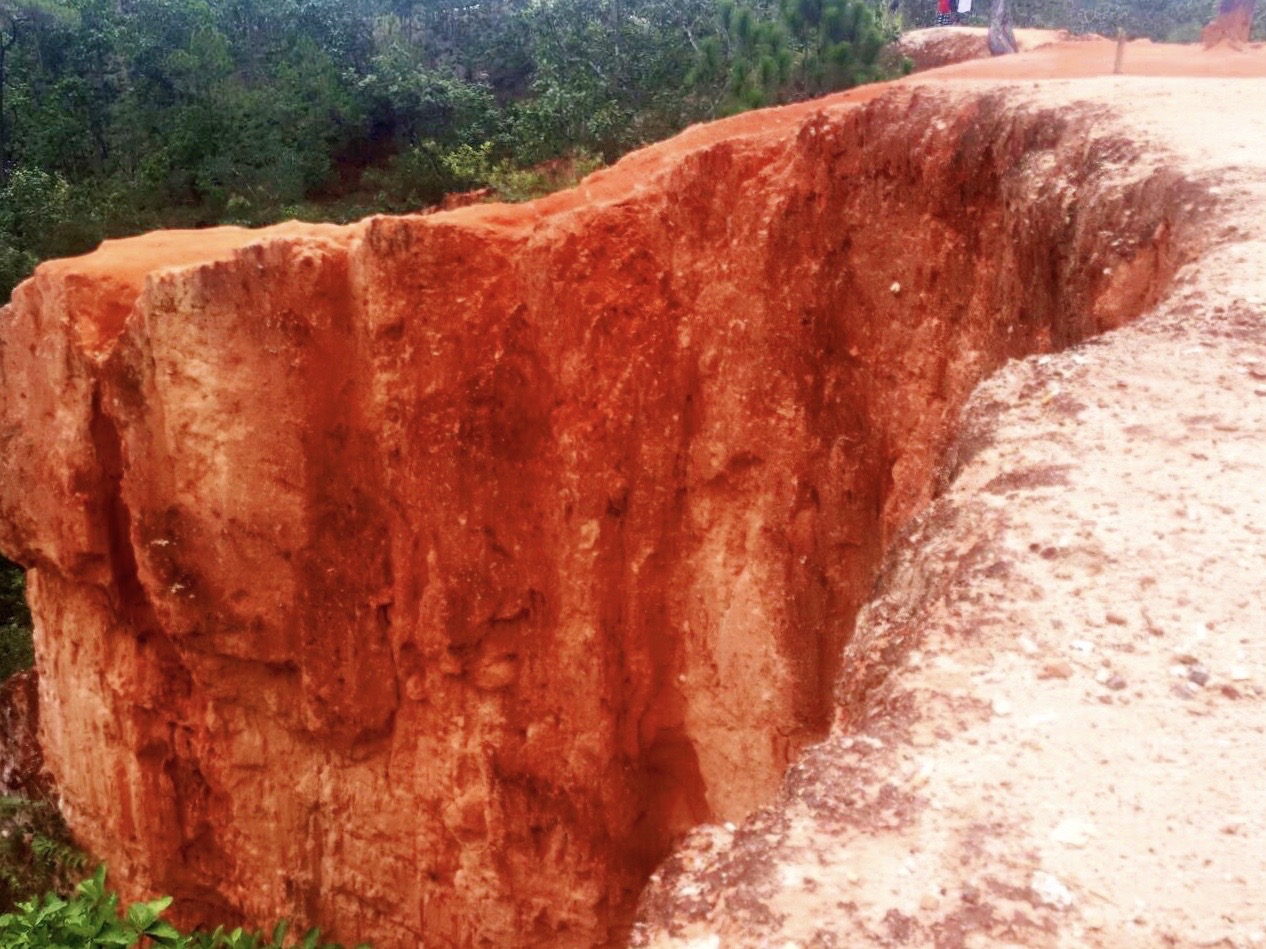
[122, 115]
[118, 116]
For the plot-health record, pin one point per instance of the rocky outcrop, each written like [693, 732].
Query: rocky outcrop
[21, 763]
[1233, 24]
[428, 579]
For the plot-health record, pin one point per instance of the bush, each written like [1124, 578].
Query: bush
[513, 184]
[475, 168]
[91, 919]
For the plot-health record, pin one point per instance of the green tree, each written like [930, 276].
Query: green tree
[798, 50]
[608, 75]
[19, 18]
[1001, 34]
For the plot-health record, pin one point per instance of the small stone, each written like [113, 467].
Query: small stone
[971, 895]
[1231, 692]
[1073, 833]
[1239, 674]
[1116, 683]
[1051, 891]
[1183, 691]
[1093, 920]
[896, 287]
[1001, 706]
[1027, 646]
[1056, 669]
[1199, 675]
[1103, 675]
[1186, 658]
[928, 903]
[1116, 619]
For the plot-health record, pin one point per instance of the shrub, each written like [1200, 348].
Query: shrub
[91, 920]
[475, 168]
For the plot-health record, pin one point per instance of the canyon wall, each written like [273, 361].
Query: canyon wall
[427, 579]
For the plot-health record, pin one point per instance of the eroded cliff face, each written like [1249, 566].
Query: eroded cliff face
[427, 579]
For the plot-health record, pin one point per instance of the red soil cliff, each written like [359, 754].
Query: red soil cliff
[427, 579]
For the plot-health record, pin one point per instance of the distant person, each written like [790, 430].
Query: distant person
[945, 12]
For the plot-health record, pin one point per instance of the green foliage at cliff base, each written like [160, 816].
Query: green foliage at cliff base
[91, 918]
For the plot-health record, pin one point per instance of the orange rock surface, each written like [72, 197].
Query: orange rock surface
[1233, 24]
[427, 579]
[21, 762]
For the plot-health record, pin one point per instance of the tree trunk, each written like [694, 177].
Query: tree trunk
[1001, 36]
[5, 43]
[1232, 25]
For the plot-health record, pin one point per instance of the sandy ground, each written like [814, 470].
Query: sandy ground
[1067, 747]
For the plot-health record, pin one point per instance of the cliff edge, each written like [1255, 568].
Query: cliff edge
[432, 579]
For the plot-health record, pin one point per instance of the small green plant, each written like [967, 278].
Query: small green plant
[36, 852]
[91, 920]
[474, 167]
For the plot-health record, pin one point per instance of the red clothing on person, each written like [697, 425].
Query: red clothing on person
[944, 7]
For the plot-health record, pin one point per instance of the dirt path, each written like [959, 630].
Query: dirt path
[1065, 748]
